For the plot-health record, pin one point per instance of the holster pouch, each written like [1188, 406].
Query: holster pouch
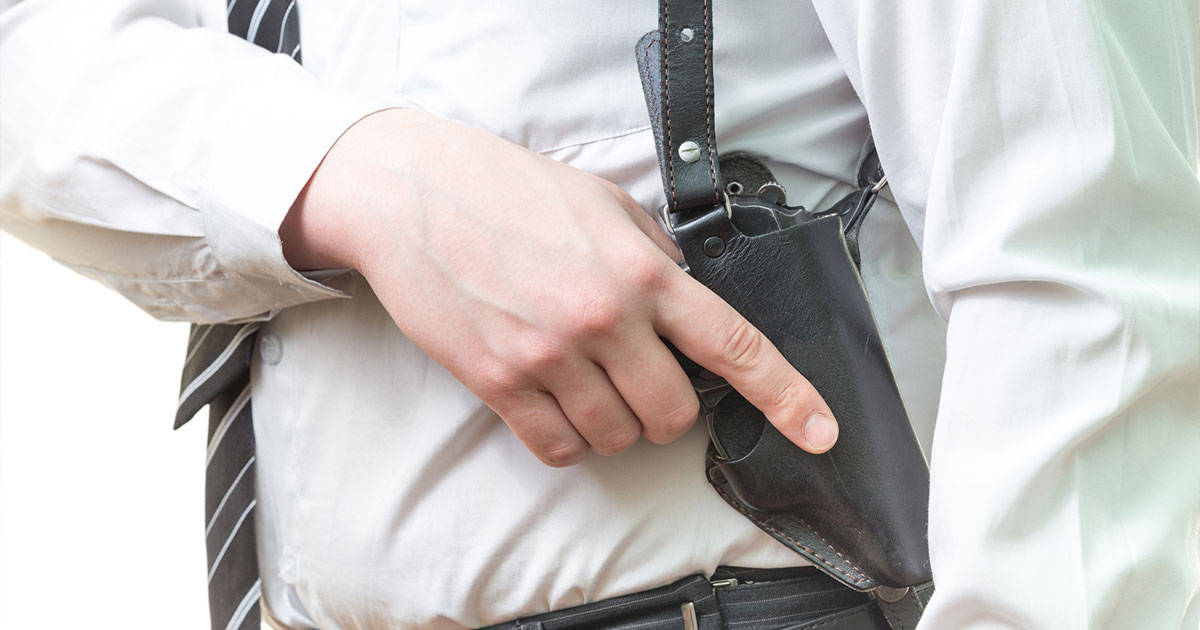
[858, 512]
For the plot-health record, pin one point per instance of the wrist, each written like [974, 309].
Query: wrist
[309, 238]
[330, 223]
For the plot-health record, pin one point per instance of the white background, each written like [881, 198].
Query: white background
[101, 503]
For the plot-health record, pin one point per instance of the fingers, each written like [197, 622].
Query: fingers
[593, 406]
[536, 419]
[583, 408]
[653, 385]
[713, 334]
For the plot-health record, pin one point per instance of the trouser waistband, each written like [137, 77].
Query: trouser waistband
[732, 599]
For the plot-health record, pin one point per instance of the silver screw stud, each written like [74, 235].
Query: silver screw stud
[686, 34]
[689, 151]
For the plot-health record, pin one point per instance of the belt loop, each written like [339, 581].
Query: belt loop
[901, 607]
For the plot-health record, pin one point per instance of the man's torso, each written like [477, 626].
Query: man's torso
[389, 496]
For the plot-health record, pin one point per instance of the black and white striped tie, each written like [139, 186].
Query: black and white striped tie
[272, 24]
[216, 372]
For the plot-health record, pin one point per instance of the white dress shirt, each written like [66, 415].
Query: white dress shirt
[1043, 157]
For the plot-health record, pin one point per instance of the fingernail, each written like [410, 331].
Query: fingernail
[821, 431]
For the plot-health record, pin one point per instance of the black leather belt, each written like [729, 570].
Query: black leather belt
[732, 599]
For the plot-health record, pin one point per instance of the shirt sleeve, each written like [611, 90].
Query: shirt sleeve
[145, 147]
[1045, 155]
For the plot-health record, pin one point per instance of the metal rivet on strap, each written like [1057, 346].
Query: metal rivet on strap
[686, 34]
[689, 151]
[714, 246]
[889, 594]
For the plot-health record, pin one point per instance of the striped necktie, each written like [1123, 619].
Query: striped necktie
[216, 372]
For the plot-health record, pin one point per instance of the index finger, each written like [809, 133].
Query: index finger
[714, 335]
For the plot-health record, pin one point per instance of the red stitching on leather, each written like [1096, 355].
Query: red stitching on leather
[669, 140]
[708, 107]
[839, 554]
[859, 580]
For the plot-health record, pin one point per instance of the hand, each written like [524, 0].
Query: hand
[542, 288]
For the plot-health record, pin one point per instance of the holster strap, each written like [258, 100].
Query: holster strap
[903, 609]
[687, 147]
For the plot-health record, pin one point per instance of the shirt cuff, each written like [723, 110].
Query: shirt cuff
[277, 127]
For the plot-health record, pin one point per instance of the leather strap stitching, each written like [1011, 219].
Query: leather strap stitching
[708, 101]
[831, 547]
[859, 581]
[668, 140]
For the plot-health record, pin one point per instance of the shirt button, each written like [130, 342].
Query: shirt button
[270, 348]
[287, 566]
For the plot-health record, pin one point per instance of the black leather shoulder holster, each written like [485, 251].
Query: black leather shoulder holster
[858, 512]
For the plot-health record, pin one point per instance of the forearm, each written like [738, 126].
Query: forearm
[152, 151]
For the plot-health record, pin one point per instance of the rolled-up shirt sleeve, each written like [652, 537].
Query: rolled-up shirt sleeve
[145, 147]
[1045, 154]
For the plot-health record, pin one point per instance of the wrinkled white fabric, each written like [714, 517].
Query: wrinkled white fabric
[1044, 157]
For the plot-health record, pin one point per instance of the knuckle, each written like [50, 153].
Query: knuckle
[616, 441]
[589, 414]
[562, 453]
[542, 354]
[679, 420]
[496, 381]
[598, 315]
[742, 343]
[671, 425]
[644, 271]
[789, 397]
